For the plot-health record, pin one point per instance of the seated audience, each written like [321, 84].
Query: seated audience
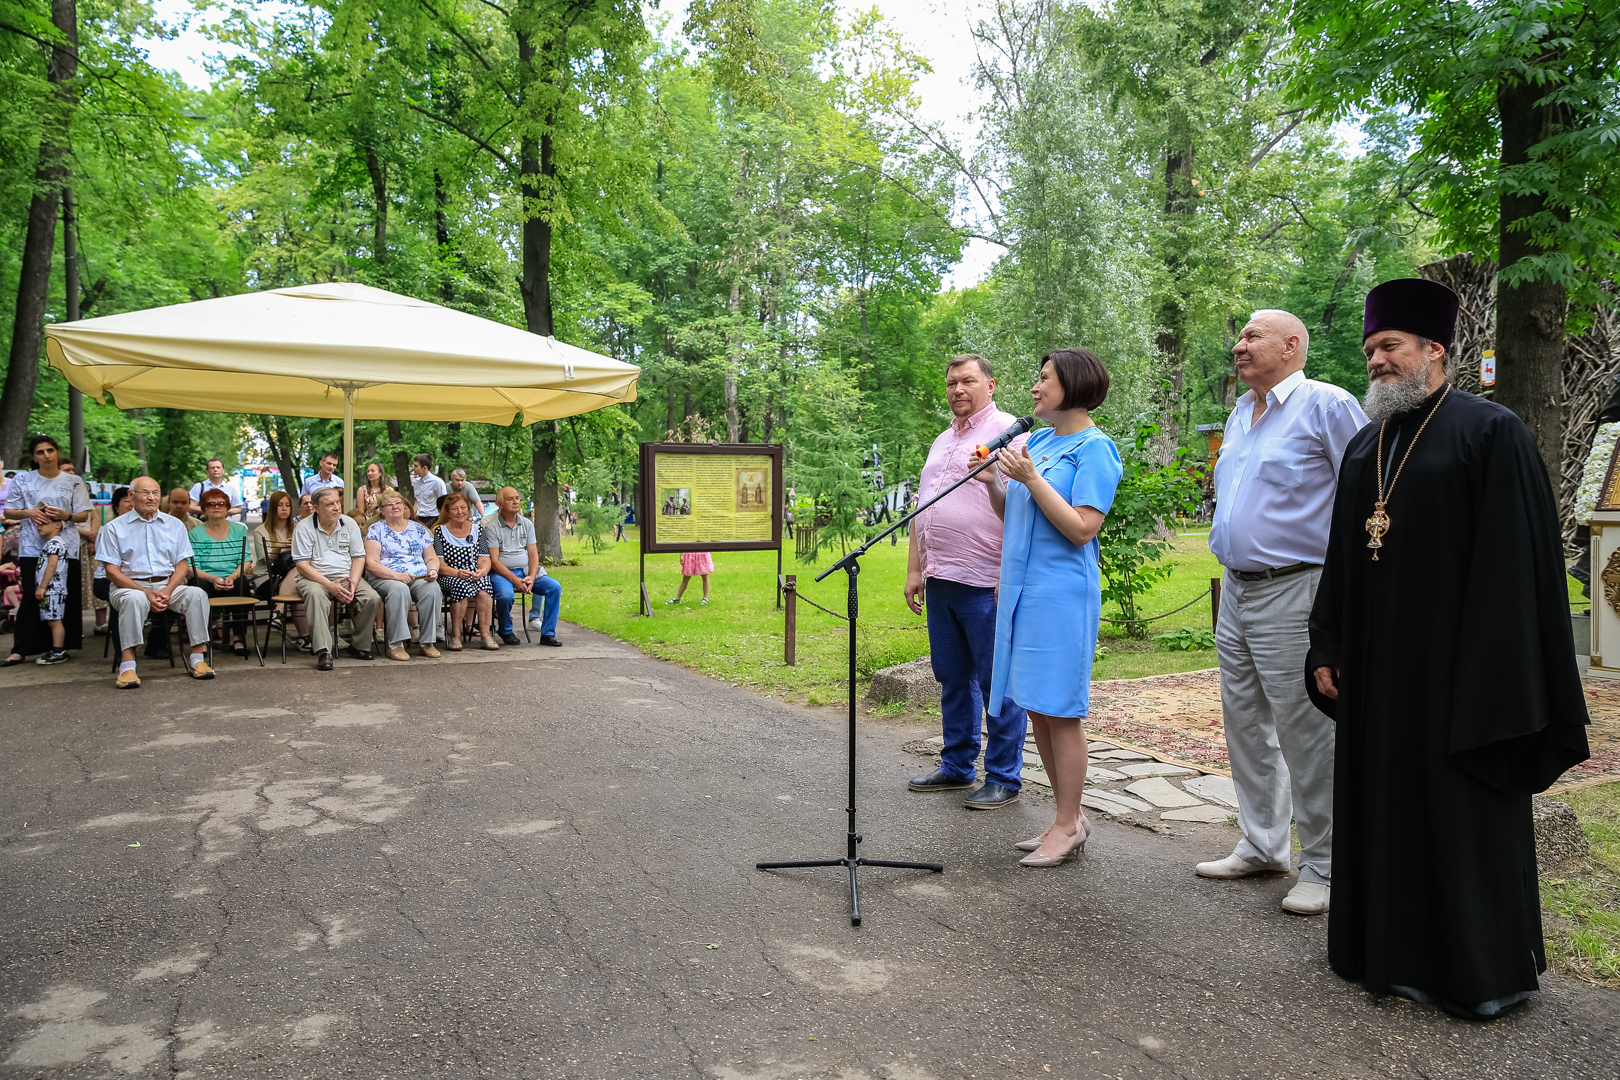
[220, 561]
[180, 508]
[98, 582]
[330, 554]
[324, 478]
[403, 567]
[463, 570]
[458, 482]
[214, 482]
[426, 486]
[273, 570]
[368, 500]
[515, 567]
[146, 555]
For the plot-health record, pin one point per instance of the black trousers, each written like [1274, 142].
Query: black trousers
[34, 636]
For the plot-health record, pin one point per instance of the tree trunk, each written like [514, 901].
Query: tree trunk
[1529, 316]
[1171, 339]
[543, 438]
[451, 446]
[34, 275]
[401, 456]
[78, 451]
[732, 358]
[441, 233]
[379, 193]
[281, 452]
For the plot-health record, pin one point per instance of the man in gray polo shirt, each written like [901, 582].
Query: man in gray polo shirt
[514, 566]
[330, 555]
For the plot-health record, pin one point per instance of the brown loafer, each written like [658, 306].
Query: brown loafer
[200, 670]
[323, 661]
[397, 653]
[430, 651]
[127, 680]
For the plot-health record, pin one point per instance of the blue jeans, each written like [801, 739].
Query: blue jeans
[548, 588]
[962, 644]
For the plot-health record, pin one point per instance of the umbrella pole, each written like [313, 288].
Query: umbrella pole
[348, 450]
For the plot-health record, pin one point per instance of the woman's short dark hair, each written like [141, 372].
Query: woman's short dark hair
[119, 495]
[38, 440]
[1082, 376]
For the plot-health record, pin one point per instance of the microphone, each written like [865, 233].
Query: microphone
[1019, 426]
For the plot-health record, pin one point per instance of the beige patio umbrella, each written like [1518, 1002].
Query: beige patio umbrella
[334, 350]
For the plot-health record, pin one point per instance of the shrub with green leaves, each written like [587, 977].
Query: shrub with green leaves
[1134, 537]
[1186, 639]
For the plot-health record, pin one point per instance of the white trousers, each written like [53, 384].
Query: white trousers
[1281, 747]
[132, 606]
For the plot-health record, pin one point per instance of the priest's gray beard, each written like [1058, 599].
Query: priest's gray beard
[1392, 397]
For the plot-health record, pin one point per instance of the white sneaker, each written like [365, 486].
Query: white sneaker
[1235, 866]
[1308, 898]
[536, 625]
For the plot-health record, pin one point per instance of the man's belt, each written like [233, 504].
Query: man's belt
[148, 579]
[1267, 575]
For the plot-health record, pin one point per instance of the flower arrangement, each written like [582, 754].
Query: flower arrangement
[1597, 468]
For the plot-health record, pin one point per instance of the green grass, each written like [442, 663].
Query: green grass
[1583, 928]
[738, 636]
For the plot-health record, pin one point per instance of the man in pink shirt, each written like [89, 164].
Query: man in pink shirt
[955, 561]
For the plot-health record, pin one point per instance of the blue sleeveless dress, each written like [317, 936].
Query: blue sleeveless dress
[1051, 594]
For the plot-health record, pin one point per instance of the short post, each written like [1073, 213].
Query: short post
[790, 622]
[1215, 604]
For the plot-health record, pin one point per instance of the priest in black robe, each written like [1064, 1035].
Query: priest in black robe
[1441, 645]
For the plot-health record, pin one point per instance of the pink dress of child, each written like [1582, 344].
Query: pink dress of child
[696, 563]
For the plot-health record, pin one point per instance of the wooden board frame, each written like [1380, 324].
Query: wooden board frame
[649, 494]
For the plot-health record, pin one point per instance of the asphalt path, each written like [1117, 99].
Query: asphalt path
[540, 863]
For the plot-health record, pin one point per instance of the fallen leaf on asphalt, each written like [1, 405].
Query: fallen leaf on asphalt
[136, 844]
[767, 993]
[708, 945]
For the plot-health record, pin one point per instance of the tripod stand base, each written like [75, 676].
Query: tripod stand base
[853, 865]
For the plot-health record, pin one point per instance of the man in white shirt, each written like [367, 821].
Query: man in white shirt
[215, 482]
[145, 554]
[330, 554]
[1274, 481]
[324, 478]
[514, 567]
[426, 487]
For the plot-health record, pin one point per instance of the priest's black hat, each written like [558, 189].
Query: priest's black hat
[1416, 305]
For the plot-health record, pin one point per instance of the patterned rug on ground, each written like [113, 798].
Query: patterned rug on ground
[1179, 716]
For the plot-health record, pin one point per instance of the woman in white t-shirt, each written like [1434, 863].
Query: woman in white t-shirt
[48, 493]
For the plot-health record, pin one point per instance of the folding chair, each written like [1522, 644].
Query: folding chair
[243, 600]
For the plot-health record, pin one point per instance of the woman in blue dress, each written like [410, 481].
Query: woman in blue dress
[1052, 495]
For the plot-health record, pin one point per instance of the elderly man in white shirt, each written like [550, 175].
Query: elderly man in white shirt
[330, 554]
[1274, 483]
[145, 554]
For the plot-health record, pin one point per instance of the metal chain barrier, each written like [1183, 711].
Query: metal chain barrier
[1166, 615]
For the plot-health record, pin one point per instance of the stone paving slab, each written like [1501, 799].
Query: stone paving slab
[1157, 768]
[1211, 815]
[1162, 793]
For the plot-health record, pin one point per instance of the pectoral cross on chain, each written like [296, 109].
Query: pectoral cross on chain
[1377, 526]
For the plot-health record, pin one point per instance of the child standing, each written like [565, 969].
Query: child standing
[53, 589]
[694, 564]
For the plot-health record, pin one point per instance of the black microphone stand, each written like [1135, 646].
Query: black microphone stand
[850, 564]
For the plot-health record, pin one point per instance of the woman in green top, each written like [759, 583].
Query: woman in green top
[220, 559]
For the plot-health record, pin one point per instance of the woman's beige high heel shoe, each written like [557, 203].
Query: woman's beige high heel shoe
[1044, 861]
[1035, 842]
